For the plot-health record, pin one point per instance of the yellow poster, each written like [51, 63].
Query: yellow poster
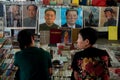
[112, 33]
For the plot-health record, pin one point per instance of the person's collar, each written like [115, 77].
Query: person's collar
[49, 25]
[71, 26]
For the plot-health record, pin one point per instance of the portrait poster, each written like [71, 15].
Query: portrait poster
[13, 15]
[109, 16]
[79, 19]
[55, 36]
[30, 16]
[50, 18]
[66, 35]
[91, 16]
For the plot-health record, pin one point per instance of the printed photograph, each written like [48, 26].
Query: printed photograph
[71, 17]
[13, 15]
[109, 16]
[66, 35]
[49, 18]
[30, 14]
[91, 16]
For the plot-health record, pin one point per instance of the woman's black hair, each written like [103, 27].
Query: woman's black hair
[24, 38]
[90, 34]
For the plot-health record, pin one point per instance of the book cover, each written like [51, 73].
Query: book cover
[66, 35]
[74, 35]
[2, 41]
[112, 33]
[55, 36]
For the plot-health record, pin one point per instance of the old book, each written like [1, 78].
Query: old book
[55, 36]
[44, 37]
[75, 32]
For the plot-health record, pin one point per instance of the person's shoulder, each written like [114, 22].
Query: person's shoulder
[18, 53]
[43, 51]
[79, 53]
[64, 25]
[56, 25]
[77, 26]
[42, 24]
[101, 51]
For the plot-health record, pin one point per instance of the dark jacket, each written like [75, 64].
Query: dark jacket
[76, 25]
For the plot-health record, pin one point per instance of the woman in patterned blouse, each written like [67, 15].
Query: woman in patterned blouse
[90, 63]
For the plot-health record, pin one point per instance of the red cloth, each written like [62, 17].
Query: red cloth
[98, 2]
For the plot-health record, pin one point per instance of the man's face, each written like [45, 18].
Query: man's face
[50, 17]
[31, 11]
[15, 10]
[71, 17]
[108, 14]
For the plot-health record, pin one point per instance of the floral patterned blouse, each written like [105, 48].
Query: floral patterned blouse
[91, 64]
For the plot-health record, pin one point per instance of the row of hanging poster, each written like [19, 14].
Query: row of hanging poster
[17, 16]
[59, 2]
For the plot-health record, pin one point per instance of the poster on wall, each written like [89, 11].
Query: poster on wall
[91, 16]
[71, 17]
[30, 15]
[13, 15]
[49, 18]
[109, 16]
